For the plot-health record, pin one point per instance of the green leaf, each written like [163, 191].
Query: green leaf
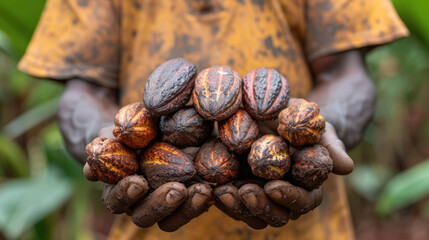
[404, 189]
[31, 118]
[23, 202]
[367, 180]
[12, 155]
[18, 19]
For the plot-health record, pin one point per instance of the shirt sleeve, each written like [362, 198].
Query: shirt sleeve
[340, 25]
[75, 39]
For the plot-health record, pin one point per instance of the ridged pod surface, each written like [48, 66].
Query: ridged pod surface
[266, 93]
[135, 126]
[301, 123]
[162, 163]
[269, 157]
[110, 161]
[185, 128]
[215, 163]
[217, 93]
[311, 166]
[170, 86]
[239, 131]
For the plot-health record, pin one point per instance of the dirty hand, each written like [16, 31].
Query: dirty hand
[275, 202]
[172, 205]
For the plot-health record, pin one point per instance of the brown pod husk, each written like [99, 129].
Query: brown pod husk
[162, 163]
[301, 123]
[311, 166]
[110, 161]
[265, 93]
[238, 132]
[169, 87]
[135, 126]
[217, 93]
[269, 157]
[185, 128]
[215, 163]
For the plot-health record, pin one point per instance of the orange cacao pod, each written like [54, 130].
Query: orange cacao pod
[135, 126]
[162, 163]
[301, 123]
[215, 163]
[110, 161]
[238, 132]
[169, 87]
[185, 128]
[266, 93]
[217, 93]
[269, 157]
[311, 166]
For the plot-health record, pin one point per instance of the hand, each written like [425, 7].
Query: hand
[278, 201]
[172, 205]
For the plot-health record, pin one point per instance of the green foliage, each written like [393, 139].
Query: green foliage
[13, 157]
[404, 189]
[368, 180]
[414, 14]
[18, 19]
[23, 202]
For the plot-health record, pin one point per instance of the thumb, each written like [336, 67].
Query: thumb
[343, 164]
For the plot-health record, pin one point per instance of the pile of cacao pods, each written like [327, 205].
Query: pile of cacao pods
[222, 121]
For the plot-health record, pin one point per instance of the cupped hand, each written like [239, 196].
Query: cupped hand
[171, 205]
[275, 202]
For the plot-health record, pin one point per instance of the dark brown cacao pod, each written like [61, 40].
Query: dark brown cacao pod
[217, 93]
[269, 157]
[170, 86]
[301, 123]
[238, 132]
[110, 161]
[185, 128]
[311, 166]
[135, 126]
[266, 93]
[215, 163]
[162, 163]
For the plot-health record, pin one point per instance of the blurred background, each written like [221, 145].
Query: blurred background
[43, 194]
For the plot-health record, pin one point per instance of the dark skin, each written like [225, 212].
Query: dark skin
[345, 94]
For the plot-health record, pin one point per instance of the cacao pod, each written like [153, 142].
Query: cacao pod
[162, 163]
[266, 93]
[110, 161]
[215, 163]
[185, 128]
[238, 132]
[269, 157]
[135, 126]
[169, 87]
[301, 123]
[217, 93]
[311, 166]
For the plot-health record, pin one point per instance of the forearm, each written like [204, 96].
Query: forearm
[84, 109]
[345, 93]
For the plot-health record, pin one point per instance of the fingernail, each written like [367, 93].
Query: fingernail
[198, 200]
[276, 195]
[227, 199]
[250, 200]
[134, 190]
[173, 197]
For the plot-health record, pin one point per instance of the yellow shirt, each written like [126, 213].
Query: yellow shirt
[118, 43]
